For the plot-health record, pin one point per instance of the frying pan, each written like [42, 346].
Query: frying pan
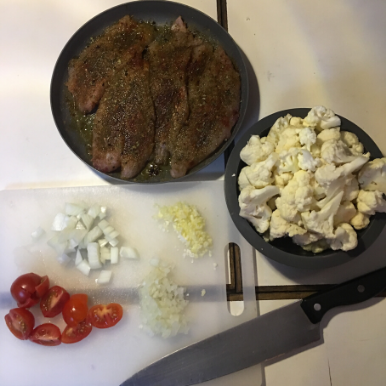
[161, 12]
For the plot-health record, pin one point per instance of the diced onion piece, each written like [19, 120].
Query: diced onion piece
[63, 259]
[102, 242]
[39, 232]
[72, 244]
[104, 277]
[59, 222]
[80, 225]
[78, 257]
[128, 253]
[104, 254]
[107, 230]
[103, 224]
[94, 211]
[93, 255]
[71, 223]
[77, 235]
[112, 242]
[73, 209]
[93, 235]
[84, 267]
[114, 234]
[103, 212]
[87, 220]
[114, 255]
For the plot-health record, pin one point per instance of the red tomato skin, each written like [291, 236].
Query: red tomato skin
[105, 316]
[23, 290]
[20, 322]
[74, 334]
[75, 310]
[47, 334]
[43, 287]
[53, 301]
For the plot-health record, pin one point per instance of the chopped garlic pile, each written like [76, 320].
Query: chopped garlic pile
[189, 225]
[162, 302]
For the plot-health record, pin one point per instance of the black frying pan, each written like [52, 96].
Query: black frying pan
[161, 12]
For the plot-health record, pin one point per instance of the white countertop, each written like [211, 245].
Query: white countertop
[303, 54]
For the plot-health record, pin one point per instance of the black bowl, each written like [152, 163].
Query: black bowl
[161, 12]
[284, 250]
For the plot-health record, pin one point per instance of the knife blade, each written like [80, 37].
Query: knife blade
[268, 336]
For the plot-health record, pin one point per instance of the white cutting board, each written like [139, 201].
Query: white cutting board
[108, 357]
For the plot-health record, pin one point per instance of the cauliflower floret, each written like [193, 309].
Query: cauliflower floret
[322, 221]
[281, 180]
[317, 246]
[276, 130]
[321, 118]
[280, 227]
[288, 139]
[345, 213]
[371, 202]
[296, 197]
[360, 221]
[288, 161]
[306, 238]
[307, 162]
[307, 137]
[259, 174]
[352, 141]
[336, 152]
[253, 205]
[373, 175]
[345, 238]
[327, 135]
[351, 189]
[256, 150]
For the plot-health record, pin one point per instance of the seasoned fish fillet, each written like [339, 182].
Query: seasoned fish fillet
[123, 132]
[214, 98]
[169, 55]
[89, 74]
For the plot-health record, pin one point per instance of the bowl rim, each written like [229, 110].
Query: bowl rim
[156, 10]
[308, 260]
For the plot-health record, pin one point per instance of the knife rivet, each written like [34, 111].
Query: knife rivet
[317, 307]
[361, 288]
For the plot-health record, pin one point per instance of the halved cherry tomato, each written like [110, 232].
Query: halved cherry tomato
[75, 310]
[53, 301]
[73, 334]
[105, 316]
[28, 289]
[20, 322]
[47, 334]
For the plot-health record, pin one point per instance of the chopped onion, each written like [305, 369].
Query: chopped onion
[78, 257]
[102, 242]
[87, 220]
[104, 277]
[114, 258]
[103, 224]
[73, 209]
[94, 211]
[84, 267]
[93, 255]
[128, 253]
[104, 254]
[39, 232]
[93, 235]
[57, 244]
[59, 222]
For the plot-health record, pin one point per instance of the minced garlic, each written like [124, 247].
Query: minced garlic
[189, 226]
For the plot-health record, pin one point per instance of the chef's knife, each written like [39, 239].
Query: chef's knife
[265, 337]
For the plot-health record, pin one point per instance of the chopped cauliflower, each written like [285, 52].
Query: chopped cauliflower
[321, 118]
[345, 238]
[296, 197]
[373, 175]
[256, 151]
[302, 182]
[371, 202]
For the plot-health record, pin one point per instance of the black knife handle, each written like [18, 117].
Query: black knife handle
[351, 292]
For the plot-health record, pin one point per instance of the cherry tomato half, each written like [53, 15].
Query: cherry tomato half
[47, 334]
[105, 316]
[77, 333]
[20, 322]
[53, 301]
[75, 310]
[28, 289]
